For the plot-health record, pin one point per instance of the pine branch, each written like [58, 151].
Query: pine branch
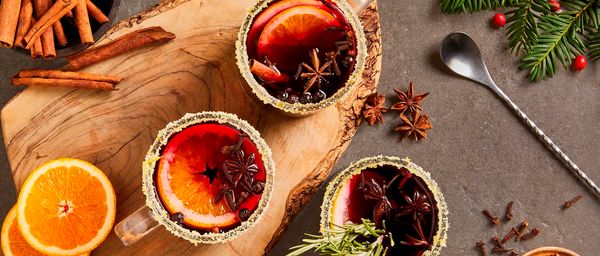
[457, 6]
[522, 30]
[590, 16]
[594, 46]
[561, 39]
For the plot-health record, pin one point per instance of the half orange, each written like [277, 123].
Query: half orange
[66, 207]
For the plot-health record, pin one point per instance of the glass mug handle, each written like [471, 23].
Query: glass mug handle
[359, 5]
[135, 226]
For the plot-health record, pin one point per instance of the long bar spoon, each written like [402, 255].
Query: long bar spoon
[460, 53]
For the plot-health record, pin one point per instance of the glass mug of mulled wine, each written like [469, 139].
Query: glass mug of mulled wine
[396, 195]
[207, 178]
[301, 56]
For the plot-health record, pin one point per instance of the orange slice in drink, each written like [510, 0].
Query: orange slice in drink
[348, 204]
[294, 32]
[273, 9]
[13, 242]
[66, 207]
[189, 177]
[267, 14]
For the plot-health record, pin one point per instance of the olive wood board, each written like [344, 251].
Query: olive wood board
[193, 73]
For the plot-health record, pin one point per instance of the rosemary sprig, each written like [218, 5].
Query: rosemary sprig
[351, 239]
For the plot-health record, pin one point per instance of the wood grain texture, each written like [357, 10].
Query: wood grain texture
[195, 72]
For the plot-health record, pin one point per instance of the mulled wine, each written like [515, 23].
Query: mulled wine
[301, 51]
[300, 56]
[207, 178]
[394, 195]
[210, 177]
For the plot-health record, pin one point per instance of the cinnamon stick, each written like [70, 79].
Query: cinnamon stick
[53, 82]
[57, 11]
[82, 20]
[48, 46]
[128, 42]
[59, 33]
[41, 7]
[9, 17]
[36, 48]
[24, 23]
[57, 74]
[96, 13]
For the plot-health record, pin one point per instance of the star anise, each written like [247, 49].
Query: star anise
[374, 191]
[417, 205]
[408, 101]
[332, 56]
[373, 109]
[316, 73]
[416, 126]
[416, 242]
[232, 199]
[241, 169]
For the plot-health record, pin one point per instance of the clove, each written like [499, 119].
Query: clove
[521, 231]
[497, 241]
[509, 214]
[258, 187]
[244, 214]
[235, 147]
[493, 219]
[571, 202]
[509, 235]
[481, 246]
[500, 250]
[531, 234]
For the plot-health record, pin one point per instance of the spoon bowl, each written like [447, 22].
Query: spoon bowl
[460, 53]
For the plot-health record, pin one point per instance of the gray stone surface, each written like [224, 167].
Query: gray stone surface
[478, 152]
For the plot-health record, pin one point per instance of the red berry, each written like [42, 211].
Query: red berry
[579, 63]
[554, 5]
[499, 20]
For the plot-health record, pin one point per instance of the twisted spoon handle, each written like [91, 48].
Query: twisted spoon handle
[544, 139]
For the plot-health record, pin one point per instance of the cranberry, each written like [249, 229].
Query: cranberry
[293, 99]
[319, 96]
[554, 5]
[281, 95]
[499, 20]
[306, 98]
[579, 63]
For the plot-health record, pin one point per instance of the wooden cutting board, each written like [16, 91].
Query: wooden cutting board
[195, 72]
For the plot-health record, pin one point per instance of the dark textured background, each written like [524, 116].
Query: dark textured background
[478, 152]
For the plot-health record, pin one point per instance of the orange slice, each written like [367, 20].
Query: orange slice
[348, 204]
[267, 14]
[13, 242]
[275, 8]
[66, 207]
[181, 180]
[294, 31]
